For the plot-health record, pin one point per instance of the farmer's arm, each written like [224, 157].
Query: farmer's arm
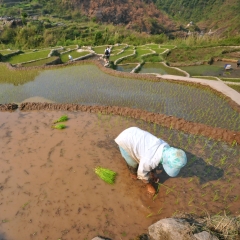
[144, 169]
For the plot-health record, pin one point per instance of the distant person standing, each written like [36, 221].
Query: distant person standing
[70, 58]
[107, 53]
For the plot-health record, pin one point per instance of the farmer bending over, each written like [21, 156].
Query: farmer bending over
[143, 152]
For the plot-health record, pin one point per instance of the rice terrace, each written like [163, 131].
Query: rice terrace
[48, 185]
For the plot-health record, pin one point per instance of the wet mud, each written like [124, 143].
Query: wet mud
[48, 188]
[161, 119]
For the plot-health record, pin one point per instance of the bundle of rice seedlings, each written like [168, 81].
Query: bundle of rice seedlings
[59, 126]
[106, 175]
[63, 118]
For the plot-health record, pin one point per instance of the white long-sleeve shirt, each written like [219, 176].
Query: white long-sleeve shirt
[143, 147]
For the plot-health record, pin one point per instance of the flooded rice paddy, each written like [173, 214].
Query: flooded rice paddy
[126, 67]
[86, 84]
[48, 188]
[216, 69]
[160, 68]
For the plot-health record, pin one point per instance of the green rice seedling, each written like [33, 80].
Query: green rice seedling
[205, 185]
[63, 118]
[59, 126]
[203, 194]
[190, 180]
[106, 175]
[149, 215]
[236, 198]
[216, 197]
[160, 210]
[190, 201]
[234, 143]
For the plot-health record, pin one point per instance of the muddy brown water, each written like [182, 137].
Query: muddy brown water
[48, 188]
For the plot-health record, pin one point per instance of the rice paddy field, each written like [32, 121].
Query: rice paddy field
[216, 69]
[160, 68]
[87, 84]
[48, 187]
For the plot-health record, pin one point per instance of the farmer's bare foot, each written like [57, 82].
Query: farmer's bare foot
[150, 189]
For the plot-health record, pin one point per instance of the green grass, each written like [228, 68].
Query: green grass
[5, 52]
[126, 52]
[16, 77]
[117, 49]
[25, 57]
[159, 50]
[235, 87]
[230, 79]
[204, 77]
[160, 68]
[202, 70]
[152, 46]
[39, 62]
[99, 49]
[167, 46]
[195, 54]
[142, 51]
[74, 54]
[131, 59]
[70, 47]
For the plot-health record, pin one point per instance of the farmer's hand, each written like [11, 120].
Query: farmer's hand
[145, 181]
[153, 178]
[150, 189]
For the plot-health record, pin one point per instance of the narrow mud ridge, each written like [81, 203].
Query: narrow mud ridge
[8, 107]
[161, 119]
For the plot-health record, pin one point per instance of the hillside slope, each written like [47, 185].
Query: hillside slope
[222, 16]
[138, 14]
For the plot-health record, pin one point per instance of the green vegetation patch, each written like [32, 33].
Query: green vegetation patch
[194, 54]
[59, 126]
[235, 87]
[160, 68]
[168, 46]
[63, 118]
[106, 175]
[206, 77]
[99, 49]
[230, 79]
[203, 70]
[153, 46]
[159, 50]
[123, 54]
[71, 47]
[143, 51]
[25, 57]
[6, 52]
[74, 54]
[39, 62]
[16, 77]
